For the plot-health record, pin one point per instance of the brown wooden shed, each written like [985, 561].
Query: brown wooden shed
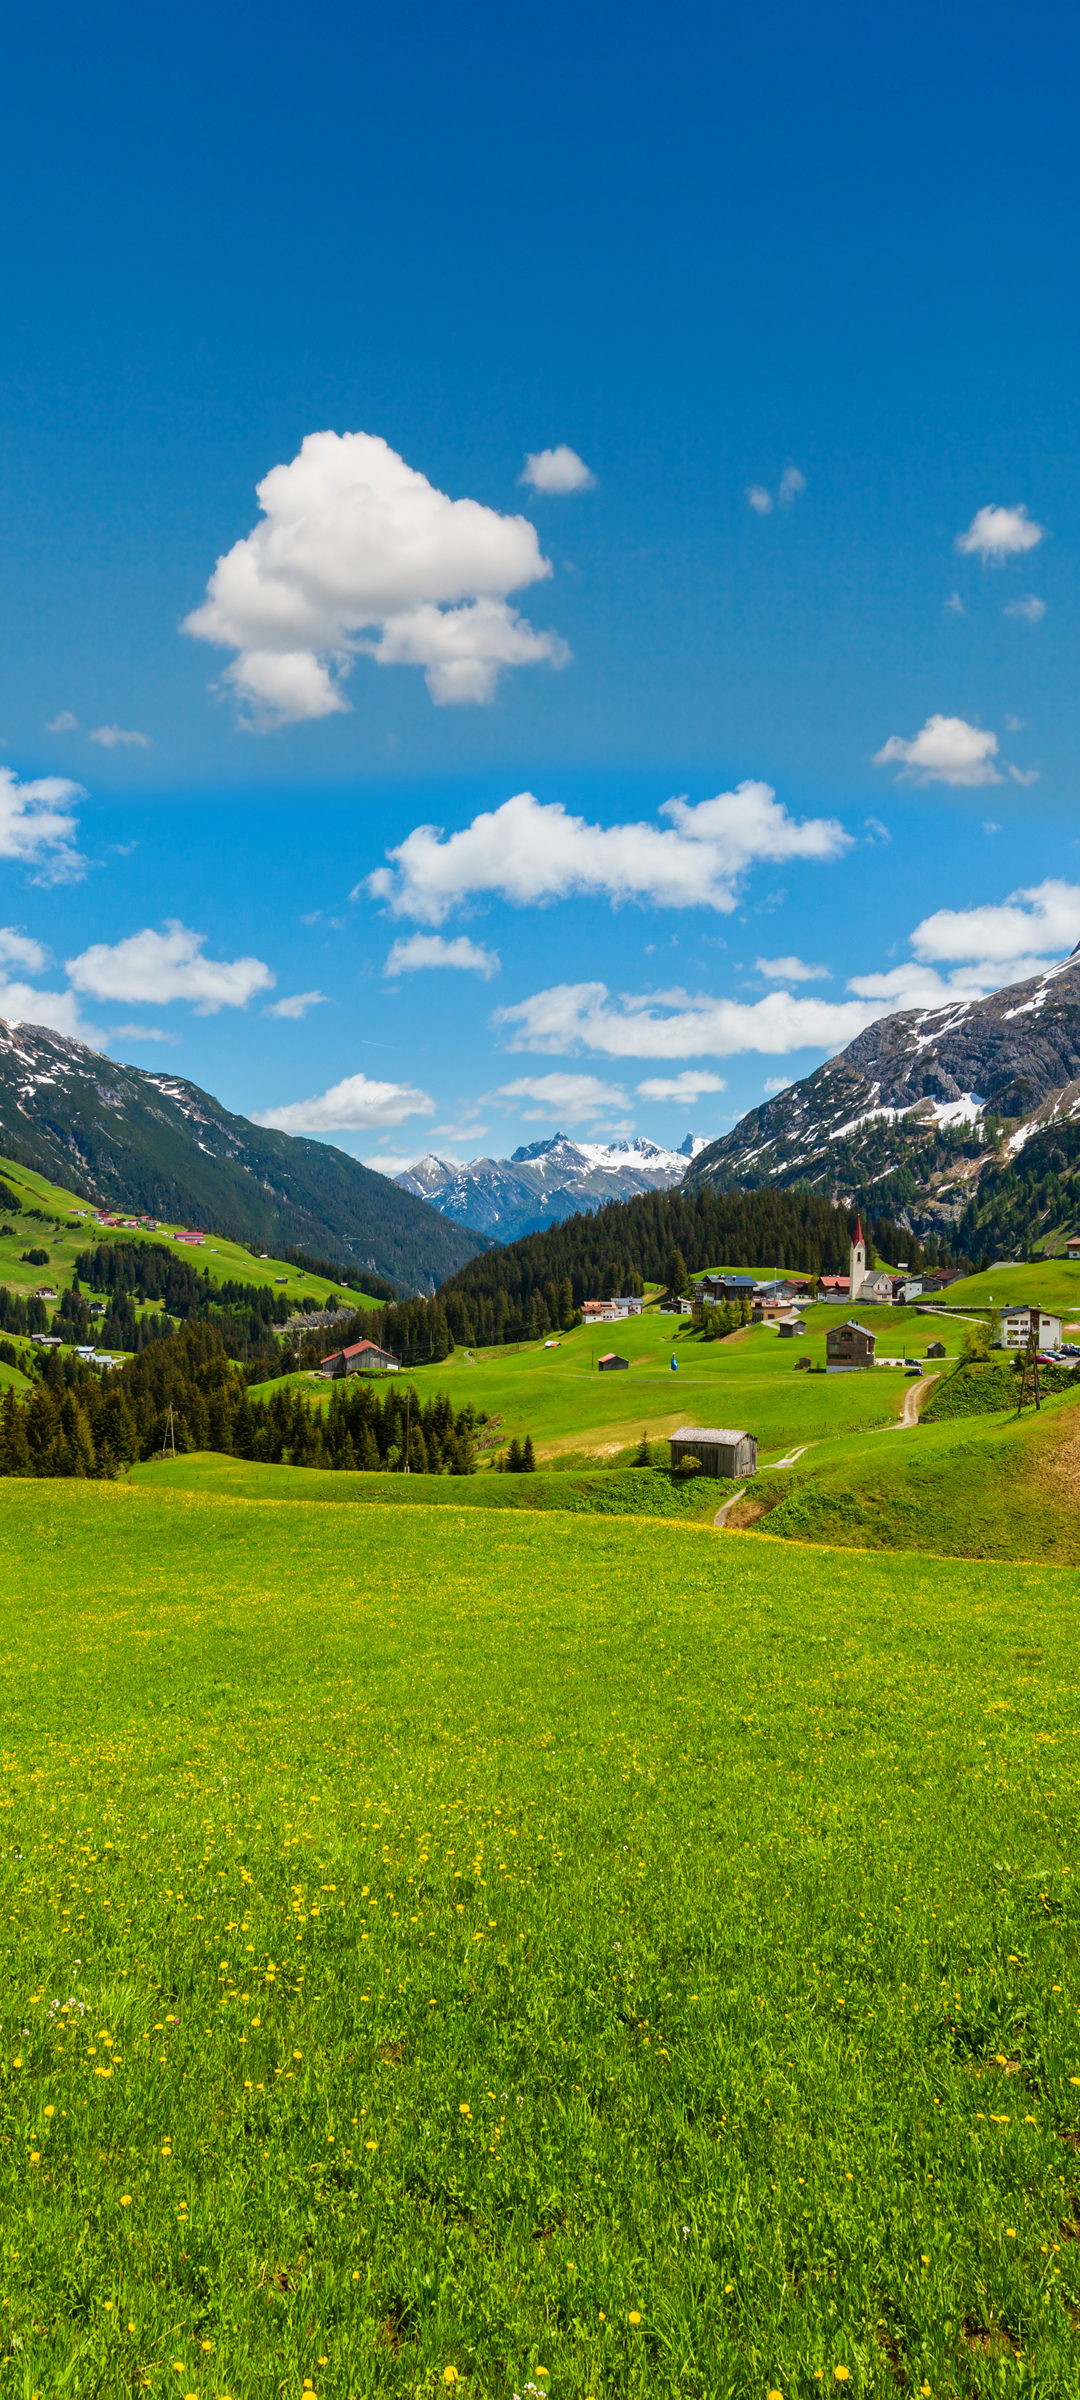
[848, 1346]
[609, 1360]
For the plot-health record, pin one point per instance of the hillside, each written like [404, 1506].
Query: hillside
[545, 1182]
[153, 1143]
[962, 1123]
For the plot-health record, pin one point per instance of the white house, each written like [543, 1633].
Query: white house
[1016, 1325]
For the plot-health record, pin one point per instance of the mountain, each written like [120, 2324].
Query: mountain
[156, 1144]
[960, 1122]
[505, 1198]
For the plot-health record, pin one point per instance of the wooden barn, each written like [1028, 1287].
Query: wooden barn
[611, 1360]
[361, 1358]
[935, 1350]
[720, 1450]
[848, 1346]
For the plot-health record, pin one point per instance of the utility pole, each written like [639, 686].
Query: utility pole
[408, 1404]
[1031, 1359]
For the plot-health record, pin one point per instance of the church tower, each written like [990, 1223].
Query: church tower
[857, 1262]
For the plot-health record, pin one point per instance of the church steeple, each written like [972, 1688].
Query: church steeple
[857, 1262]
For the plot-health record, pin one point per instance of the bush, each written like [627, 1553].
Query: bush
[35, 1258]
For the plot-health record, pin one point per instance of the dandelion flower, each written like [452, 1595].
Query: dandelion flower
[635, 2316]
[449, 2374]
[841, 2374]
[125, 2199]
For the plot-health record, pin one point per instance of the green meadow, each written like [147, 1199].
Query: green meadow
[534, 1951]
[577, 1412]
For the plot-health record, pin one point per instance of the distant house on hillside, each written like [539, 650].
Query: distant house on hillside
[718, 1289]
[360, 1358]
[719, 1449]
[789, 1326]
[935, 1350]
[877, 1286]
[833, 1287]
[1017, 1324]
[611, 1360]
[1072, 1246]
[849, 1346]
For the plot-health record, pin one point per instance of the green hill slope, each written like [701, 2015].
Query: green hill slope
[154, 1143]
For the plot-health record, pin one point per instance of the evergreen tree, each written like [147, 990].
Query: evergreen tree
[528, 1457]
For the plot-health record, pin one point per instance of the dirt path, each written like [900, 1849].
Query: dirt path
[720, 1518]
[914, 1397]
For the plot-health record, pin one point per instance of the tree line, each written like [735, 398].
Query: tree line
[76, 1423]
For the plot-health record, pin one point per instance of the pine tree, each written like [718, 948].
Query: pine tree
[528, 1457]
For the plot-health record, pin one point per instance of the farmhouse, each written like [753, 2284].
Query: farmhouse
[360, 1358]
[720, 1450]
[834, 1287]
[1017, 1324]
[849, 1346]
[611, 1360]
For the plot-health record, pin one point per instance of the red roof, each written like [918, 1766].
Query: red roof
[858, 1229]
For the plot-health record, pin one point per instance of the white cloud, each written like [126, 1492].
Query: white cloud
[792, 482]
[990, 825]
[357, 552]
[20, 1004]
[1014, 724]
[141, 1033]
[571, 1016]
[569, 1098]
[790, 970]
[1042, 920]
[688, 1086]
[529, 852]
[1020, 775]
[116, 737]
[947, 750]
[296, 1004]
[395, 1162]
[20, 950]
[558, 470]
[158, 967]
[776, 1083]
[996, 534]
[355, 1105]
[64, 723]
[36, 826]
[955, 605]
[416, 950]
[1030, 608]
[876, 831]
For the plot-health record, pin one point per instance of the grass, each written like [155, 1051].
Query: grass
[626, 1491]
[574, 1954]
[751, 1379]
[42, 1203]
[1054, 1284]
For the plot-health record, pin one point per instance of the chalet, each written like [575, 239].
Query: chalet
[718, 1289]
[719, 1450]
[876, 1287]
[834, 1287]
[1018, 1323]
[1072, 1246]
[610, 1361]
[849, 1346]
[360, 1358]
[676, 1308]
[45, 1292]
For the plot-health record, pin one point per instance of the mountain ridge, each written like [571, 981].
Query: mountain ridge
[929, 1113]
[544, 1182]
[157, 1143]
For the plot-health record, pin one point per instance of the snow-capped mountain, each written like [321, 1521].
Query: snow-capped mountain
[962, 1118]
[545, 1181]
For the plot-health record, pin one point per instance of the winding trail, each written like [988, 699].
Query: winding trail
[914, 1398]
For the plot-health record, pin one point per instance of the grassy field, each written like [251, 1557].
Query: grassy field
[1053, 1284]
[55, 1220]
[559, 1395]
[572, 1954]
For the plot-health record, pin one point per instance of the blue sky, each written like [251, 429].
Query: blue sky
[779, 304]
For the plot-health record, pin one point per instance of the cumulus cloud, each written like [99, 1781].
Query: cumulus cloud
[158, 967]
[416, 950]
[117, 737]
[20, 950]
[776, 1083]
[760, 500]
[996, 534]
[573, 1098]
[572, 1016]
[37, 827]
[296, 1004]
[790, 970]
[64, 723]
[947, 750]
[954, 605]
[141, 1033]
[688, 1086]
[358, 552]
[356, 1105]
[1042, 919]
[20, 1004]
[529, 852]
[558, 470]
[1030, 608]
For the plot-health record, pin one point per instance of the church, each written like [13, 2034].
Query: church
[877, 1286]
